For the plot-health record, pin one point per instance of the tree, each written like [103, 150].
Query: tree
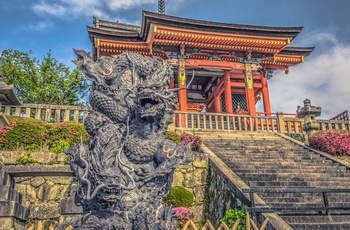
[42, 82]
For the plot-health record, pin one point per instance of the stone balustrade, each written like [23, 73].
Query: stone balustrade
[49, 113]
[275, 122]
[278, 122]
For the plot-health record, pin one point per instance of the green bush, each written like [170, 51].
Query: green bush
[232, 215]
[22, 160]
[174, 136]
[33, 135]
[179, 197]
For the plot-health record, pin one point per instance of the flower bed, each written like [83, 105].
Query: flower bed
[335, 142]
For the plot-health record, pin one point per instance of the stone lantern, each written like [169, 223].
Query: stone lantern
[309, 113]
[7, 97]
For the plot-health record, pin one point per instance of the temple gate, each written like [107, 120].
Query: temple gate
[220, 67]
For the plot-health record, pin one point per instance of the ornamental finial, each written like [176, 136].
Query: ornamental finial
[161, 6]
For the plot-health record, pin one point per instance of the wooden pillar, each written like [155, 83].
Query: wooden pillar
[266, 97]
[183, 92]
[249, 89]
[228, 92]
[217, 103]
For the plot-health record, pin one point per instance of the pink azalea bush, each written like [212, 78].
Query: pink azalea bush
[335, 142]
[188, 138]
[183, 214]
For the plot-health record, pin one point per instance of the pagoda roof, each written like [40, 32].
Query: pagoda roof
[299, 51]
[162, 35]
[193, 24]
[109, 29]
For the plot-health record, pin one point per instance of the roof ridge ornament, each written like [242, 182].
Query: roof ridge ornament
[161, 6]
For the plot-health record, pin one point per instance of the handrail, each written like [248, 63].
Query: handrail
[324, 192]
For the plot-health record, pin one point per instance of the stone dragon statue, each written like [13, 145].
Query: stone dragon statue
[126, 169]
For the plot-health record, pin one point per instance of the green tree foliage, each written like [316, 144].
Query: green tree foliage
[42, 82]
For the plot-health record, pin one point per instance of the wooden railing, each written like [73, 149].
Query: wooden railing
[235, 122]
[49, 113]
[275, 122]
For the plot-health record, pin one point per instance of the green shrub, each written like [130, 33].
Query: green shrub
[179, 197]
[33, 135]
[232, 215]
[335, 142]
[174, 136]
[66, 160]
[22, 160]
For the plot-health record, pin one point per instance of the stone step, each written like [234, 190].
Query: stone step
[13, 209]
[316, 218]
[277, 183]
[323, 226]
[8, 193]
[331, 172]
[281, 168]
[259, 148]
[279, 161]
[5, 178]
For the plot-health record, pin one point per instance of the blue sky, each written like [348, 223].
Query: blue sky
[60, 25]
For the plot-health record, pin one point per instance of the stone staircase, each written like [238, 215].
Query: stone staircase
[12, 213]
[272, 162]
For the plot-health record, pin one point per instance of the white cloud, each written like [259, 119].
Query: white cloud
[324, 79]
[41, 26]
[78, 8]
[125, 4]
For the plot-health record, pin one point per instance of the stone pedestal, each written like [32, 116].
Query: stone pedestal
[12, 213]
[70, 212]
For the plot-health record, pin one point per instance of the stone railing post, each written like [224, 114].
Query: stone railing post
[57, 115]
[86, 113]
[28, 112]
[38, 113]
[280, 122]
[66, 115]
[17, 111]
[76, 115]
[48, 114]
[7, 110]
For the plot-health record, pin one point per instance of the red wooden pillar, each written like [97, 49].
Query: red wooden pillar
[266, 97]
[249, 89]
[228, 92]
[182, 94]
[217, 103]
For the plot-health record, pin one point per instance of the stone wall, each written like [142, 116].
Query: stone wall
[193, 177]
[43, 184]
[46, 183]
